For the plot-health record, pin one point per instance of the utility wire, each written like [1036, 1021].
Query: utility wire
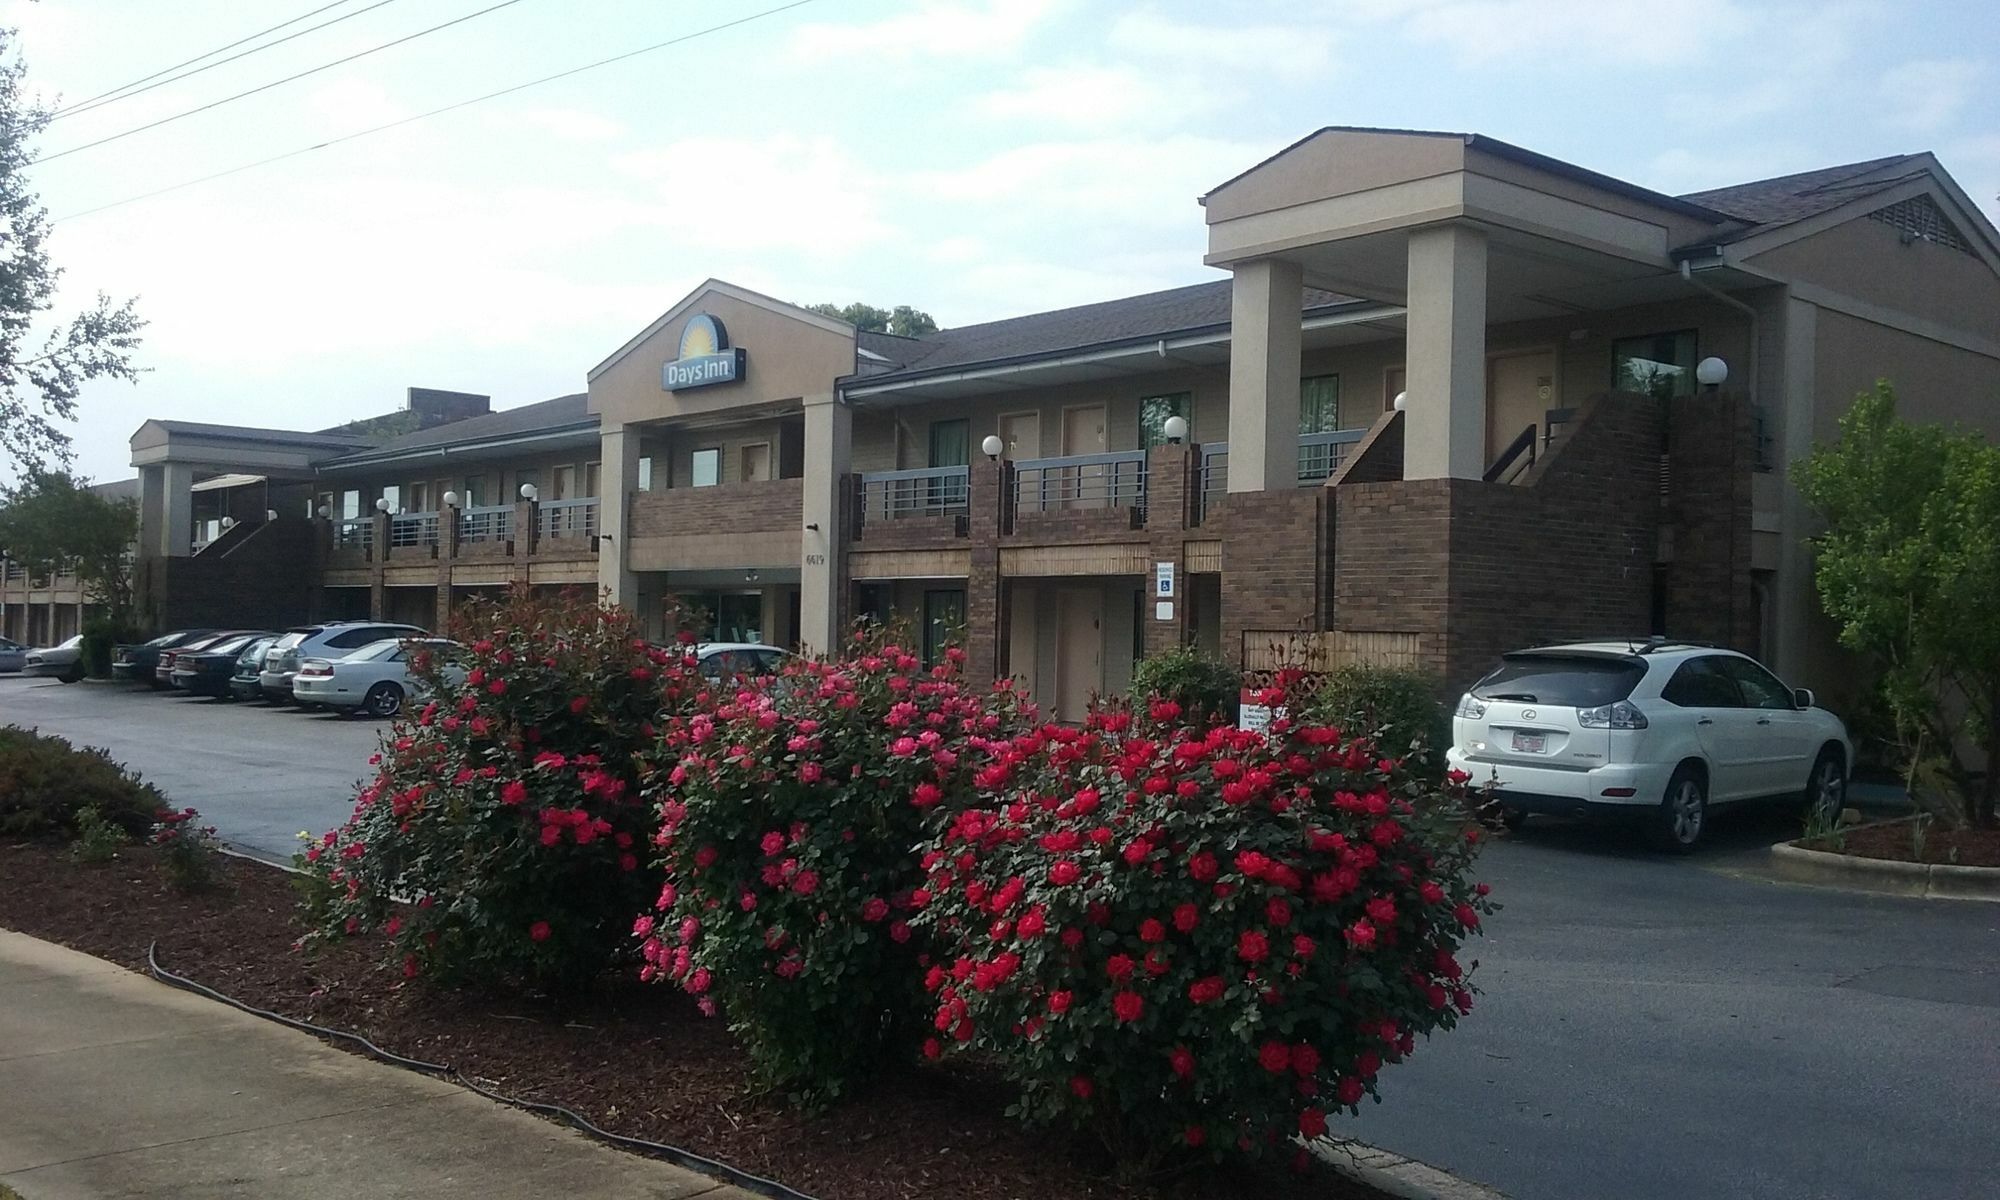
[278, 82]
[410, 120]
[133, 88]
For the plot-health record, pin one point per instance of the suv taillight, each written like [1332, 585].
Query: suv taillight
[1471, 707]
[1611, 716]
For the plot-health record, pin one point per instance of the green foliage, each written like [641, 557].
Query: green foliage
[502, 838]
[1399, 709]
[902, 321]
[1190, 939]
[1909, 566]
[97, 840]
[52, 521]
[787, 821]
[1206, 689]
[45, 784]
[39, 388]
[102, 635]
[189, 850]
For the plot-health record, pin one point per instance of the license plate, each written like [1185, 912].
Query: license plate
[1530, 743]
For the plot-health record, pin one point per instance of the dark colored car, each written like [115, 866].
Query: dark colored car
[246, 674]
[163, 670]
[206, 671]
[136, 664]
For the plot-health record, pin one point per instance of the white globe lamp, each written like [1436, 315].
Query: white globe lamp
[1176, 429]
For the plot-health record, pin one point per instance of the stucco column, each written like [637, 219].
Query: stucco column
[1445, 434]
[176, 528]
[829, 439]
[1796, 595]
[1264, 307]
[152, 510]
[619, 474]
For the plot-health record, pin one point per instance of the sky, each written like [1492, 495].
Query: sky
[974, 158]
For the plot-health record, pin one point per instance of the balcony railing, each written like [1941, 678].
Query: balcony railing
[493, 523]
[413, 529]
[1214, 474]
[1764, 441]
[1081, 481]
[1321, 455]
[568, 518]
[354, 533]
[924, 492]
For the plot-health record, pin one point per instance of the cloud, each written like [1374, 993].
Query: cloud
[931, 29]
[1300, 49]
[350, 104]
[801, 195]
[1132, 182]
[1094, 97]
[1581, 34]
[574, 124]
[1926, 95]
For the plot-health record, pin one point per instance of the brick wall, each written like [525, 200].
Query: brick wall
[265, 580]
[1378, 456]
[770, 506]
[1275, 563]
[1712, 450]
[1391, 561]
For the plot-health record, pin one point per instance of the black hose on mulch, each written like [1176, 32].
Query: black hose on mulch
[674, 1154]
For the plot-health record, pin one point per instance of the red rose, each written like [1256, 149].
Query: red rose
[1252, 946]
[1312, 1123]
[1151, 930]
[1186, 917]
[1065, 872]
[1081, 1086]
[874, 909]
[1203, 867]
[1350, 1090]
[1072, 937]
[498, 687]
[539, 931]
[1182, 1061]
[1032, 924]
[1360, 935]
[579, 704]
[1059, 1002]
[1206, 990]
[1274, 1057]
[515, 792]
[933, 1048]
[1305, 1059]
[1303, 946]
[1127, 1006]
[1430, 892]
[1195, 1135]
[1466, 916]
[1382, 910]
[1119, 967]
[1278, 912]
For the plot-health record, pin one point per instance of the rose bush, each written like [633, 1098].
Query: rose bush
[789, 816]
[1198, 938]
[503, 837]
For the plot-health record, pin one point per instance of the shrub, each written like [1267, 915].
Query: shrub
[1399, 709]
[505, 812]
[787, 828]
[188, 850]
[1205, 688]
[100, 636]
[1184, 938]
[45, 783]
[97, 840]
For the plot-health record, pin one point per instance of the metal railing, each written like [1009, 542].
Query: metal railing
[1081, 481]
[1214, 482]
[923, 492]
[355, 533]
[1556, 423]
[492, 523]
[413, 529]
[568, 518]
[1516, 460]
[1763, 441]
[1323, 454]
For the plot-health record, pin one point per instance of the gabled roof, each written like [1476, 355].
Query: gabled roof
[719, 287]
[1144, 318]
[250, 433]
[546, 417]
[1786, 198]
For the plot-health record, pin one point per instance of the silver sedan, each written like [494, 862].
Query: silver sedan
[64, 662]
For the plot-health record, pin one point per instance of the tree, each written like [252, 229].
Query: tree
[1909, 566]
[38, 390]
[901, 321]
[52, 521]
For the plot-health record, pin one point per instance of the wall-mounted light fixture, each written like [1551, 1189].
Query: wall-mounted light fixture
[1176, 429]
[528, 491]
[1711, 372]
[450, 499]
[993, 446]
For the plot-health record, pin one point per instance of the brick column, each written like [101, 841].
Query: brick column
[447, 551]
[1173, 483]
[378, 566]
[990, 497]
[526, 535]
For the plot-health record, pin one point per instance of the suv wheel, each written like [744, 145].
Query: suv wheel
[1826, 787]
[1683, 813]
[383, 700]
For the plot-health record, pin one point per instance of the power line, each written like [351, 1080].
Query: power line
[133, 88]
[277, 82]
[410, 120]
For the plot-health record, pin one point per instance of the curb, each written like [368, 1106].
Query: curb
[1395, 1175]
[1924, 881]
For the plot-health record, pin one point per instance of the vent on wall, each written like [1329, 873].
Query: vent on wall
[1920, 217]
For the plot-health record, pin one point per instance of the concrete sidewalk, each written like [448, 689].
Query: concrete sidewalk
[114, 1085]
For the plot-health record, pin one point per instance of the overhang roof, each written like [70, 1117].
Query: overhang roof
[541, 421]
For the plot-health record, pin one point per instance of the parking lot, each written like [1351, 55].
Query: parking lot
[1652, 1027]
[258, 774]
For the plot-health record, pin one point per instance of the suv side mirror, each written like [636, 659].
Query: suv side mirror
[1802, 697]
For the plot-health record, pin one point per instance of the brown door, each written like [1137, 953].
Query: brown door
[1022, 432]
[1083, 432]
[1520, 389]
[1079, 650]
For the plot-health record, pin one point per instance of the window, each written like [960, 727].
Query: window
[593, 474]
[872, 602]
[474, 492]
[1153, 414]
[350, 504]
[944, 622]
[756, 462]
[1761, 689]
[420, 497]
[951, 443]
[1659, 365]
[1558, 679]
[1319, 404]
[706, 468]
[1697, 684]
[646, 473]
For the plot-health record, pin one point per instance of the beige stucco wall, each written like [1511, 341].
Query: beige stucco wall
[786, 359]
[502, 476]
[1934, 382]
[1866, 259]
[1335, 163]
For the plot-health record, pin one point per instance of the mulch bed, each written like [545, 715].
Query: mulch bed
[1894, 841]
[635, 1060]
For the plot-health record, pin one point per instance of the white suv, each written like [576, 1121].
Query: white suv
[1652, 729]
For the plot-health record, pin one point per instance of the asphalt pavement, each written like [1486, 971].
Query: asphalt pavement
[259, 774]
[1652, 1028]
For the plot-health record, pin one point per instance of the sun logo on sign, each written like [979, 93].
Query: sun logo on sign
[704, 335]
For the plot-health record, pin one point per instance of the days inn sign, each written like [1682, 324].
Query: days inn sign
[706, 357]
